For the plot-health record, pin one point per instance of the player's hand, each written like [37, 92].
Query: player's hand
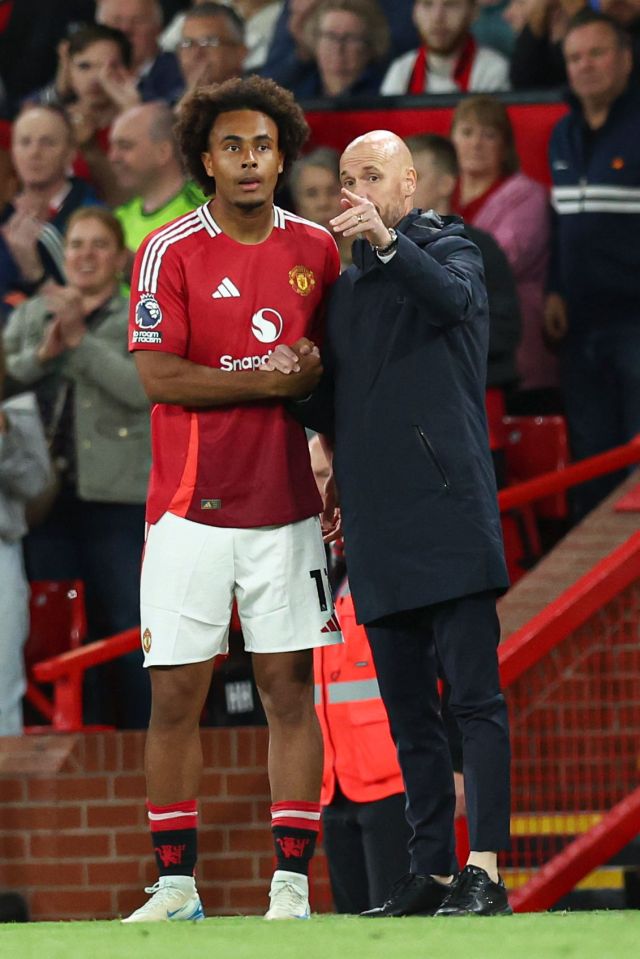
[282, 359]
[304, 382]
[360, 217]
[331, 517]
[285, 359]
[555, 318]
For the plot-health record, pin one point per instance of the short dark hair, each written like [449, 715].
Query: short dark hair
[211, 9]
[200, 109]
[440, 148]
[85, 36]
[587, 16]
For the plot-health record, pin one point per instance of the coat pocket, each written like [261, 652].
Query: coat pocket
[428, 448]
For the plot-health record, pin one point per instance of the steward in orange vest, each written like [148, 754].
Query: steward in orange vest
[365, 829]
[359, 753]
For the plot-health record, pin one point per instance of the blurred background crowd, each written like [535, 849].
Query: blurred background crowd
[89, 165]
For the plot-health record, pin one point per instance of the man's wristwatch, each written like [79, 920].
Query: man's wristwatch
[390, 247]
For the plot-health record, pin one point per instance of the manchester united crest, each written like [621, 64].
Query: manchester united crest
[302, 279]
[146, 640]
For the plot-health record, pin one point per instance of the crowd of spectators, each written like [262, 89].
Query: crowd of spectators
[89, 92]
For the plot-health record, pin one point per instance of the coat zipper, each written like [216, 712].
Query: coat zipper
[432, 453]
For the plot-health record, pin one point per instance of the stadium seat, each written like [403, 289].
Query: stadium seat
[57, 625]
[495, 406]
[535, 445]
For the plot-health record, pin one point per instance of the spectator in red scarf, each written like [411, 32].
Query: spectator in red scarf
[449, 59]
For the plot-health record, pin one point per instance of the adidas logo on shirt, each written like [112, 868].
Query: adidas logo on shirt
[225, 289]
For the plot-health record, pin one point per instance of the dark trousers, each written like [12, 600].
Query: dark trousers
[100, 543]
[462, 635]
[366, 847]
[601, 382]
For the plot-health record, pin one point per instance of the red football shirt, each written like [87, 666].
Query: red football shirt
[200, 294]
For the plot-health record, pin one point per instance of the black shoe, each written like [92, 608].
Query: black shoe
[412, 896]
[474, 894]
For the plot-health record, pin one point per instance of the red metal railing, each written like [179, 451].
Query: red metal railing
[588, 469]
[572, 681]
[66, 672]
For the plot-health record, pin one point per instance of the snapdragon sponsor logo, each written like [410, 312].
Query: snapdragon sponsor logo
[233, 363]
[266, 325]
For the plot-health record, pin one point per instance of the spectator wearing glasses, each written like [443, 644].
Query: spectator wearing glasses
[211, 48]
[350, 43]
[260, 18]
[289, 52]
[347, 42]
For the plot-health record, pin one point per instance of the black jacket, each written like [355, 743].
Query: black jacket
[596, 202]
[405, 355]
[505, 319]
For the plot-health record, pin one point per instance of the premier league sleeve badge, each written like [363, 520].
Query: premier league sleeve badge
[148, 316]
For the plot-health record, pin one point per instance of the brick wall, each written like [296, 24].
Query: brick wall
[73, 835]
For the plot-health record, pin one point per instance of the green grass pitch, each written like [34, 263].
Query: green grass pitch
[584, 935]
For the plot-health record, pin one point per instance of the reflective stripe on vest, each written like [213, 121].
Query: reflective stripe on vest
[352, 692]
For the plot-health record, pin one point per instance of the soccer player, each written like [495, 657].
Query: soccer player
[232, 507]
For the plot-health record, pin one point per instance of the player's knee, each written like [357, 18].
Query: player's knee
[287, 702]
[174, 702]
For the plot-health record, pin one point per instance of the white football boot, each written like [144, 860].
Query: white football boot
[289, 896]
[172, 898]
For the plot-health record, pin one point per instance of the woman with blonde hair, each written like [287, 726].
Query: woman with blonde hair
[493, 195]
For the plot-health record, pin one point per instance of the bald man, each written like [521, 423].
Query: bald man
[144, 156]
[403, 397]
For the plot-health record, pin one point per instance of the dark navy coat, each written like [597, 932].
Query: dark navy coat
[405, 356]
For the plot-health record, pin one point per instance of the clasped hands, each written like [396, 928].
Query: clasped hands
[67, 327]
[302, 359]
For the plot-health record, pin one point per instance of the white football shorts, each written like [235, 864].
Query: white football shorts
[191, 573]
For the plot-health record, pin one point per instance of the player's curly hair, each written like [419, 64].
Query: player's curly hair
[200, 109]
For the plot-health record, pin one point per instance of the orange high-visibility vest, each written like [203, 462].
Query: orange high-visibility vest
[358, 750]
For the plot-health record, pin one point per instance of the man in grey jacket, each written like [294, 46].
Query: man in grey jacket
[24, 472]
